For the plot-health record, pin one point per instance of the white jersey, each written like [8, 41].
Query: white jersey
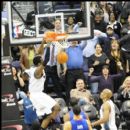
[35, 85]
[111, 122]
[42, 102]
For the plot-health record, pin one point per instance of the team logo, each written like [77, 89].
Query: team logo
[6, 69]
[8, 99]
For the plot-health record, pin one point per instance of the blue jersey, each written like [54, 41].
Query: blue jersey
[29, 111]
[79, 124]
[81, 113]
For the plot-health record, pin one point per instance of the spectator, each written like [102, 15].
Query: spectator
[51, 64]
[70, 115]
[26, 58]
[125, 46]
[19, 83]
[4, 9]
[105, 80]
[118, 7]
[124, 12]
[103, 6]
[110, 32]
[106, 41]
[93, 6]
[90, 46]
[115, 56]
[74, 65]
[25, 78]
[78, 121]
[30, 18]
[15, 52]
[57, 25]
[99, 23]
[79, 16]
[70, 24]
[124, 90]
[110, 8]
[116, 25]
[36, 75]
[107, 112]
[96, 61]
[127, 25]
[99, 11]
[82, 93]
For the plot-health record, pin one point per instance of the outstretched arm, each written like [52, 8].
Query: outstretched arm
[89, 125]
[39, 70]
[66, 117]
[40, 50]
[105, 118]
[91, 78]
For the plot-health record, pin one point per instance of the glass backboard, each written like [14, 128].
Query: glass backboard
[25, 18]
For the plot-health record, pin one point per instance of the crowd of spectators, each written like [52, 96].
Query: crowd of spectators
[107, 62]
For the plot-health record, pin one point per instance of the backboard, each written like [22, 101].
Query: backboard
[24, 19]
[47, 20]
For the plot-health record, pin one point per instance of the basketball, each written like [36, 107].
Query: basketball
[62, 57]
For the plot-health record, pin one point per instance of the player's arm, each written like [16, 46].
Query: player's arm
[67, 126]
[39, 70]
[89, 125]
[66, 117]
[105, 118]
